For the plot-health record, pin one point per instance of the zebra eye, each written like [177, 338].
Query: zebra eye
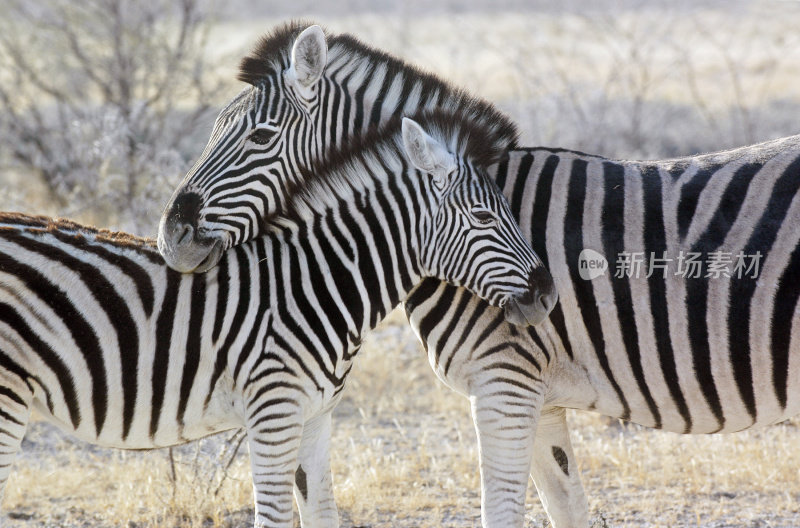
[484, 216]
[261, 136]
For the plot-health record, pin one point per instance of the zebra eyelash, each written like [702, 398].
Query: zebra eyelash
[483, 216]
[263, 134]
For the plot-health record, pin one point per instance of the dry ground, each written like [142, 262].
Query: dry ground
[405, 456]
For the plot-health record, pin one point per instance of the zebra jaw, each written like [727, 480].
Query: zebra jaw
[522, 314]
[211, 260]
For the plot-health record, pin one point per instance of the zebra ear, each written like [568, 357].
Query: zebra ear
[425, 153]
[309, 58]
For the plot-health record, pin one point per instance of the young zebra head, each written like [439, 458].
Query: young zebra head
[305, 99]
[428, 177]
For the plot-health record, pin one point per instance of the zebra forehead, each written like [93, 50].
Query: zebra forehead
[239, 105]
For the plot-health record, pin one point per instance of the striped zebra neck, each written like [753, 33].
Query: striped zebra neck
[382, 86]
[345, 270]
[359, 221]
[363, 86]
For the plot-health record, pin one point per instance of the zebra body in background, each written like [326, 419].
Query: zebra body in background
[689, 350]
[659, 350]
[105, 340]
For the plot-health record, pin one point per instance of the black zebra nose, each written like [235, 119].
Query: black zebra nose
[185, 209]
[548, 295]
[179, 223]
[184, 236]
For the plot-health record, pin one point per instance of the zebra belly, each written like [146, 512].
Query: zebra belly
[699, 355]
[579, 384]
[574, 388]
[223, 413]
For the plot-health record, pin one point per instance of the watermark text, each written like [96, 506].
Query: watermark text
[686, 264]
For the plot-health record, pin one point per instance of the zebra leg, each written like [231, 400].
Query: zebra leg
[505, 430]
[15, 404]
[313, 483]
[274, 442]
[555, 472]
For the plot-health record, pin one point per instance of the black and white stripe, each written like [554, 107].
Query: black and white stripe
[691, 356]
[107, 341]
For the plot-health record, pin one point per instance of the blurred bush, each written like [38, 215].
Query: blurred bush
[105, 103]
[660, 79]
[101, 101]
[621, 78]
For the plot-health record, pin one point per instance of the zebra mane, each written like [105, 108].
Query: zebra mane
[273, 54]
[46, 224]
[482, 141]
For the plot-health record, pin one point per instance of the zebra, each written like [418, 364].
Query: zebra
[668, 351]
[105, 340]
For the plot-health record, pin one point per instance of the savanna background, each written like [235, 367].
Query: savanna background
[104, 105]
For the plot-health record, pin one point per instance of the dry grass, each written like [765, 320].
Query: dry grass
[404, 455]
[404, 446]
[639, 477]
[64, 483]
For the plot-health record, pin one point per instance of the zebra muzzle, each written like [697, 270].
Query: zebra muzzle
[181, 244]
[533, 307]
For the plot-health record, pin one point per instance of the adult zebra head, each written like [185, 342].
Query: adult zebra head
[260, 144]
